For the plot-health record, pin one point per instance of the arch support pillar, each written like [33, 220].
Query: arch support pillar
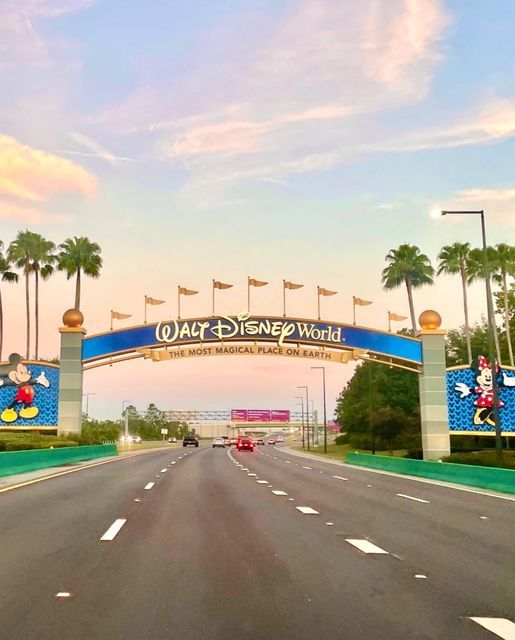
[434, 414]
[70, 378]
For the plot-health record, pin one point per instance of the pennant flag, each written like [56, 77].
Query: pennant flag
[220, 285]
[326, 292]
[396, 317]
[292, 285]
[257, 283]
[116, 315]
[187, 292]
[361, 302]
[149, 300]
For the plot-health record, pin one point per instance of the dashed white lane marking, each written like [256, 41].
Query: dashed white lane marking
[252, 475]
[180, 457]
[420, 576]
[341, 478]
[149, 485]
[330, 524]
[403, 495]
[279, 493]
[287, 461]
[483, 518]
[307, 510]
[365, 546]
[137, 500]
[262, 481]
[244, 469]
[173, 462]
[307, 468]
[369, 485]
[164, 470]
[502, 627]
[63, 594]
[113, 530]
[275, 457]
[291, 499]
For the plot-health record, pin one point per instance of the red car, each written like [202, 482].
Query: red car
[245, 444]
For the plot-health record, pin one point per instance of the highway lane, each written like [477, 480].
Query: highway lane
[209, 551]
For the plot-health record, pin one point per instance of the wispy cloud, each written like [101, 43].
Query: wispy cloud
[96, 150]
[498, 203]
[30, 176]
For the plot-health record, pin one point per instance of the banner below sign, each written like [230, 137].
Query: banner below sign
[260, 415]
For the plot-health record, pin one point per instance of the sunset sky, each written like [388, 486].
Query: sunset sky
[295, 139]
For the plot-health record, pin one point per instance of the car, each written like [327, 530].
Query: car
[245, 444]
[136, 439]
[225, 439]
[190, 440]
[233, 442]
[260, 441]
[219, 442]
[271, 440]
[126, 439]
[172, 440]
[280, 439]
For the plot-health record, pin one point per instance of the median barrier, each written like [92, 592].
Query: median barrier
[12, 462]
[484, 477]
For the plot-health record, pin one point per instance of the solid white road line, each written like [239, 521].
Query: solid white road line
[403, 495]
[502, 627]
[279, 493]
[307, 510]
[149, 485]
[365, 546]
[113, 530]
[341, 478]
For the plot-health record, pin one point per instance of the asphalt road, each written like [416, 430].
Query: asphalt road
[210, 552]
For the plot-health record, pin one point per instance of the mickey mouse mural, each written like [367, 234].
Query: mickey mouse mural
[474, 387]
[20, 403]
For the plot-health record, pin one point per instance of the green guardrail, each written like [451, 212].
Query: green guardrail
[483, 477]
[12, 462]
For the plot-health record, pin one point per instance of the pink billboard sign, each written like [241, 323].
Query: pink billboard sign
[239, 415]
[258, 415]
[279, 415]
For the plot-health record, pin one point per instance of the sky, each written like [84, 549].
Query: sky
[297, 139]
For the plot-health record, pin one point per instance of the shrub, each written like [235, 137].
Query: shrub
[482, 458]
[25, 441]
[343, 439]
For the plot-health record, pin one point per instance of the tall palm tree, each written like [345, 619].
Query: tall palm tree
[506, 266]
[410, 267]
[77, 256]
[454, 259]
[477, 272]
[43, 259]
[7, 276]
[20, 253]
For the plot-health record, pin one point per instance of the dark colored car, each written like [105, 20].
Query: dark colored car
[245, 444]
[190, 440]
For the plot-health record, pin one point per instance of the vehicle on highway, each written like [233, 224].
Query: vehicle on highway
[219, 442]
[136, 439]
[245, 444]
[190, 440]
[280, 439]
[233, 442]
[127, 439]
[225, 439]
[172, 440]
[271, 440]
[260, 441]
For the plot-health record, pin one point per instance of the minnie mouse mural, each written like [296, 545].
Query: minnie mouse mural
[484, 402]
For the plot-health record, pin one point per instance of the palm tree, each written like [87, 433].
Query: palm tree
[506, 266]
[43, 259]
[20, 253]
[477, 272]
[78, 256]
[7, 276]
[410, 267]
[454, 259]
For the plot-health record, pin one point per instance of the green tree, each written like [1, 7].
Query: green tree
[43, 260]
[506, 267]
[7, 276]
[454, 259]
[407, 266]
[477, 272]
[389, 424]
[79, 256]
[20, 253]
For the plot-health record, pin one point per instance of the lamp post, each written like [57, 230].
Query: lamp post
[491, 328]
[126, 431]
[302, 408]
[86, 395]
[307, 409]
[325, 409]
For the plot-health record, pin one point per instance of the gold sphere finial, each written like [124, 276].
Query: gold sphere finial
[73, 318]
[430, 319]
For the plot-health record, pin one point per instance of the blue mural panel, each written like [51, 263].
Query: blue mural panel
[29, 394]
[247, 328]
[470, 402]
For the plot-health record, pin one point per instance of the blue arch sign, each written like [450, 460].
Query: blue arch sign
[246, 328]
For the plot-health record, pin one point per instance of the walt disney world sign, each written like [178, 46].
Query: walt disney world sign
[243, 328]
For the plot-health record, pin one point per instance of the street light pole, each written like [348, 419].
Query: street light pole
[302, 408]
[307, 410]
[325, 408]
[126, 417]
[86, 395]
[491, 330]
